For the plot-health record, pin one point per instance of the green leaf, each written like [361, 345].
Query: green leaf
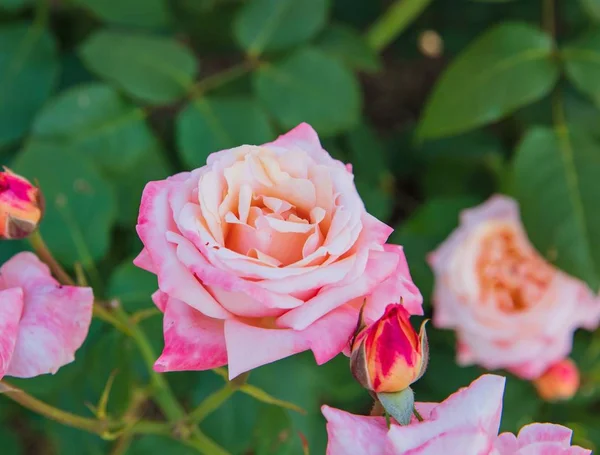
[347, 45]
[153, 69]
[80, 204]
[151, 166]
[274, 433]
[95, 120]
[12, 5]
[592, 8]
[556, 175]
[273, 25]
[28, 74]
[506, 68]
[211, 124]
[11, 443]
[159, 445]
[142, 13]
[308, 86]
[582, 65]
[132, 286]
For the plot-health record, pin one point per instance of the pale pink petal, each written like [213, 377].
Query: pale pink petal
[544, 432]
[506, 444]
[379, 267]
[174, 279]
[497, 207]
[250, 346]
[144, 261]
[399, 287]
[543, 448]
[24, 270]
[469, 441]
[425, 409]
[349, 434]
[192, 341]
[53, 326]
[160, 299]
[11, 308]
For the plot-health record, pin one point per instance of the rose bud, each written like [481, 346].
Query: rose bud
[20, 206]
[388, 356]
[559, 382]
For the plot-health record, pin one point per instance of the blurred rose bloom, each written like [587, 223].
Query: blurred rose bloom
[466, 423]
[20, 206]
[388, 355]
[510, 308]
[559, 382]
[42, 323]
[265, 252]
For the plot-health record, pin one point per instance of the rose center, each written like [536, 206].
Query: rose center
[511, 274]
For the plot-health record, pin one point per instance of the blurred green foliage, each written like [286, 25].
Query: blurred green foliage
[98, 97]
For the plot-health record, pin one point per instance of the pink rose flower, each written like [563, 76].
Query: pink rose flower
[539, 439]
[467, 422]
[265, 252]
[510, 308]
[42, 323]
[559, 382]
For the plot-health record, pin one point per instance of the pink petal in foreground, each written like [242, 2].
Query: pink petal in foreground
[192, 341]
[250, 346]
[55, 322]
[349, 434]
[11, 307]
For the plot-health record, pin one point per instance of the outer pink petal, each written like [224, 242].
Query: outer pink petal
[497, 207]
[55, 322]
[460, 442]
[249, 346]
[425, 409]
[349, 434]
[544, 432]
[144, 261]
[306, 138]
[192, 341]
[379, 267]
[399, 286]
[154, 221]
[506, 444]
[11, 307]
[24, 270]
[543, 448]
[160, 299]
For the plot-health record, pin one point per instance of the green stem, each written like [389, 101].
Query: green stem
[211, 403]
[43, 252]
[222, 78]
[394, 21]
[102, 428]
[549, 17]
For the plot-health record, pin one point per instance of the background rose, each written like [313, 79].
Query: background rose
[42, 323]
[511, 309]
[467, 422]
[265, 252]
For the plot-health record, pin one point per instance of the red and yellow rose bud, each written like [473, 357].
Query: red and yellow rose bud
[389, 355]
[559, 382]
[20, 206]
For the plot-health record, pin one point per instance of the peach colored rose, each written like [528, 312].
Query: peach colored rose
[466, 423]
[265, 252]
[42, 323]
[510, 308]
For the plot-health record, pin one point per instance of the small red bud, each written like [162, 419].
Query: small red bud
[20, 206]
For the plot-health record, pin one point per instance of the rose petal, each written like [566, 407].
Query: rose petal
[11, 309]
[192, 341]
[349, 434]
[173, 278]
[544, 432]
[53, 326]
[379, 267]
[249, 346]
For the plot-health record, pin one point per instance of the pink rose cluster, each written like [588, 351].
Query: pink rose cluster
[510, 308]
[265, 252]
[466, 423]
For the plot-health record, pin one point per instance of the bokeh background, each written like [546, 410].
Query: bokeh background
[437, 105]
